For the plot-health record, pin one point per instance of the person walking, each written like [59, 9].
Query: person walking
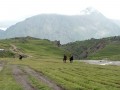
[64, 58]
[71, 59]
[20, 57]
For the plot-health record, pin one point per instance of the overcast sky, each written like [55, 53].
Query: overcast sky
[17, 10]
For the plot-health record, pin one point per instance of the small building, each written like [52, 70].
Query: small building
[2, 49]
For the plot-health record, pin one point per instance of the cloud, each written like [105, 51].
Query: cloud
[21, 9]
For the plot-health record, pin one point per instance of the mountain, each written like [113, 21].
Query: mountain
[89, 10]
[1, 33]
[1, 30]
[89, 24]
[117, 22]
[105, 48]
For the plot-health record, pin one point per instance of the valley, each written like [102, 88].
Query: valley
[43, 69]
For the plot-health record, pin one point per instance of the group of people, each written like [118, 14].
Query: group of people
[65, 58]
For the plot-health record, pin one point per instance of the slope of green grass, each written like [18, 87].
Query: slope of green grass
[110, 52]
[76, 76]
[4, 44]
[105, 48]
[46, 58]
[7, 82]
[39, 85]
[79, 47]
[38, 48]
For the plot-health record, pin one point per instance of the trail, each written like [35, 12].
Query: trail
[21, 78]
[1, 65]
[14, 49]
[21, 75]
[42, 78]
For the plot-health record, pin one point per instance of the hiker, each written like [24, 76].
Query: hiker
[64, 58]
[20, 57]
[71, 59]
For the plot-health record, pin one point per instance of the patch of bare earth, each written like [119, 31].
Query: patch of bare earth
[21, 78]
[21, 75]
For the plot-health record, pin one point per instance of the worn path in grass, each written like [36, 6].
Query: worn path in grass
[1, 65]
[42, 78]
[21, 75]
[21, 78]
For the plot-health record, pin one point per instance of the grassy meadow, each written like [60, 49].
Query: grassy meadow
[46, 58]
[95, 49]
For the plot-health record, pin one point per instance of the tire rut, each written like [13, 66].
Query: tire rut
[21, 78]
[1, 65]
[42, 78]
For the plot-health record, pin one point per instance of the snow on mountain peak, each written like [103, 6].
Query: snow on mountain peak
[88, 11]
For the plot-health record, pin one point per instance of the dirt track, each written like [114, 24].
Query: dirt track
[1, 65]
[21, 76]
[42, 78]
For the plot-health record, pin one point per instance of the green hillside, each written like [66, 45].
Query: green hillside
[105, 48]
[110, 52]
[30, 47]
[43, 68]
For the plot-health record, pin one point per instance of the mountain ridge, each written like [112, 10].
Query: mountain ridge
[64, 28]
[95, 49]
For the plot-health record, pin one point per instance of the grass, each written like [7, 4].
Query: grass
[46, 58]
[77, 76]
[40, 48]
[7, 82]
[39, 85]
[111, 51]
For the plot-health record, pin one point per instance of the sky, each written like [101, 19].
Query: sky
[12, 11]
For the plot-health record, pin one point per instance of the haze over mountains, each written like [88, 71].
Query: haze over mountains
[89, 24]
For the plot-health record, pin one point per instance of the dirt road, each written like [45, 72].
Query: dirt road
[1, 65]
[21, 76]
